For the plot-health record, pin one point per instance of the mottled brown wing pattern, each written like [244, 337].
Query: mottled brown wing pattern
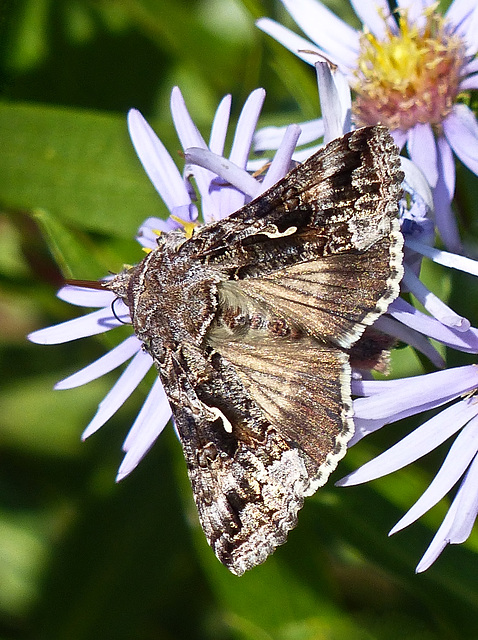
[337, 296]
[255, 456]
[344, 197]
[249, 323]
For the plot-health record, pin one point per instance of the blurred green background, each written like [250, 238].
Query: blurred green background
[83, 558]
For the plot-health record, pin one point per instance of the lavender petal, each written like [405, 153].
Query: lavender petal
[470, 83]
[445, 258]
[407, 334]
[190, 136]
[459, 520]
[461, 131]
[399, 137]
[467, 505]
[220, 125]
[370, 13]
[418, 391]
[271, 137]
[410, 316]
[454, 466]
[440, 540]
[280, 164]
[84, 297]
[112, 359]
[443, 194]
[323, 27]
[422, 149]
[226, 169]
[331, 106]
[299, 46]
[424, 439]
[157, 162]
[151, 420]
[415, 10]
[88, 325]
[120, 392]
[432, 303]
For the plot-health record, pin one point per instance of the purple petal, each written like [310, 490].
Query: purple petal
[363, 428]
[451, 260]
[446, 166]
[324, 28]
[443, 195]
[226, 169]
[422, 149]
[432, 303]
[460, 14]
[399, 137]
[120, 392]
[463, 340]
[458, 521]
[440, 540]
[220, 125]
[290, 40]
[461, 131]
[469, 68]
[149, 231]
[454, 466]
[88, 325]
[424, 439]
[271, 137]
[231, 199]
[336, 116]
[415, 10]
[418, 391]
[467, 505]
[280, 164]
[468, 84]
[471, 33]
[151, 420]
[190, 136]
[157, 162]
[84, 297]
[246, 126]
[403, 331]
[188, 133]
[114, 358]
[416, 183]
[371, 12]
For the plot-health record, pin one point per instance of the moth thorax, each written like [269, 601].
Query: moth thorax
[120, 284]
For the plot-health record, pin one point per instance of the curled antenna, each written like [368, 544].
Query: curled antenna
[114, 312]
[102, 286]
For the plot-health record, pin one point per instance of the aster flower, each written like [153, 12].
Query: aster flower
[222, 191]
[386, 402]
[402, 320]
[407, 72]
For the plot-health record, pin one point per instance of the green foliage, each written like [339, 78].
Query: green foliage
[80, 557]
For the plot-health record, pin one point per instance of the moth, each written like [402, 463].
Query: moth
[251, 321]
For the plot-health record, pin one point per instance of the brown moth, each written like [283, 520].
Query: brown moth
[250, 322]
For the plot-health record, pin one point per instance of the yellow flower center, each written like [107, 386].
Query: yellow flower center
[411, 76]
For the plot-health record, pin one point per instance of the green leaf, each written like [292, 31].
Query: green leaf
[79, 166]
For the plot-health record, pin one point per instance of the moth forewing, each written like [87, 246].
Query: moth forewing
[249, 323]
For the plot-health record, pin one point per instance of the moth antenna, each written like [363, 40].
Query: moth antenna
[331, 64]
[88, 284]
[96, 284]
[114, 312]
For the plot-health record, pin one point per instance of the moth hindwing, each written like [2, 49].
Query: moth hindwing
[249, 323]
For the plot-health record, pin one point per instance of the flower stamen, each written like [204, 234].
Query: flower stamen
[410, 76]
